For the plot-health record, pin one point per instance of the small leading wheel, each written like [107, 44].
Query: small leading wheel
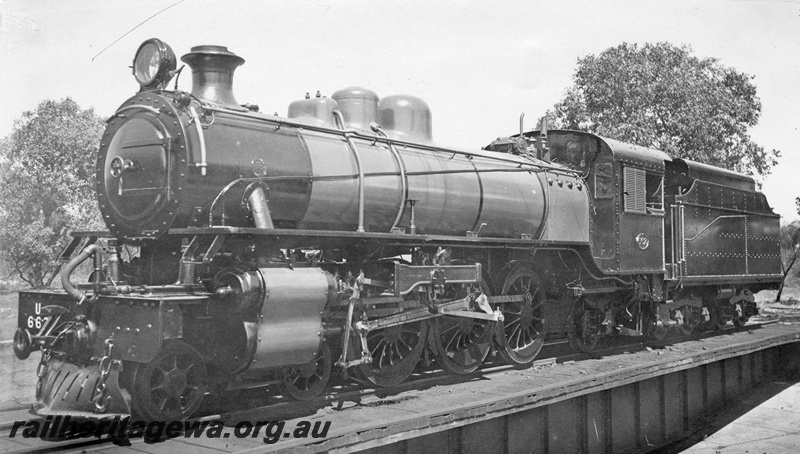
[461, 344]
[395, 352]
[171, 386]
[308, 381]
[586, 334]
[521, 335]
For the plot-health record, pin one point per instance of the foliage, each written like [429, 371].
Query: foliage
[790, 250]
[47, 186]
[661, 96]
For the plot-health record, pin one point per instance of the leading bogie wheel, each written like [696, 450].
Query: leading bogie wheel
[308, 381]
[521, 335]
[171, 387]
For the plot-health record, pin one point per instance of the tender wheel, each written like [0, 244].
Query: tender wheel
[395, 352]
[586, 334]
[657, 332]
[521, 335]
[308, 381]
[689, 322]
[172, 386]
[461, 344]
[718, 320]
[739, 319]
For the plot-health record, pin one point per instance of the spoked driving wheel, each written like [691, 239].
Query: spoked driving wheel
[521, 335]
[309, 380]
[461, 343]
[395, 352]
[586, 328]
[172, 385]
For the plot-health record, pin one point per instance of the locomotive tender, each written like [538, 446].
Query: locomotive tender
[248, 249]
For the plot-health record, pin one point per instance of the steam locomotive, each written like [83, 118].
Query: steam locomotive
[246, 249]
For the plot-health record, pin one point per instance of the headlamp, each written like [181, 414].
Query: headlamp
[153, 64]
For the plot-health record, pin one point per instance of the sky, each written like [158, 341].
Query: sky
[478, 64]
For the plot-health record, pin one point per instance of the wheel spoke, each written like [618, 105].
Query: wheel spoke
[451, 328]
[379, 345]
[405, 344]
[162, 403]
[517, 313]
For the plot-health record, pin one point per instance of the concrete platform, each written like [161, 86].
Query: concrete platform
[773, 426]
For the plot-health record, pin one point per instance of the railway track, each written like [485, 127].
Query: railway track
[343, 396]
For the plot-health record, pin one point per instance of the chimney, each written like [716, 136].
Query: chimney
[212, 74]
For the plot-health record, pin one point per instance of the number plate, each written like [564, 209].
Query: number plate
[31, 316]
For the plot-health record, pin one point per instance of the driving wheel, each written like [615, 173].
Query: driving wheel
[395, 352]
[461, 343]
[521, 335]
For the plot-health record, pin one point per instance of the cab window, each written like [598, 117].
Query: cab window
[574, 154]
[643, 191]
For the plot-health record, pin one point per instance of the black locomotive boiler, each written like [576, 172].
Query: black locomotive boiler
[248, 249]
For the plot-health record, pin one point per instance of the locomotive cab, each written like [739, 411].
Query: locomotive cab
[628, 214]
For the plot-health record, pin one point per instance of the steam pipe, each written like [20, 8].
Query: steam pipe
[360, 182]
[203, 164]
[113, 261]
[93, 250]
[260, 208]
[352, 145]
[403, 177]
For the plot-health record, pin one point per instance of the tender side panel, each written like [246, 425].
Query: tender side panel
[729, 232]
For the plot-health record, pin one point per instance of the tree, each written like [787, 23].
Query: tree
[47, 187]
[661, 96]
[790, 250]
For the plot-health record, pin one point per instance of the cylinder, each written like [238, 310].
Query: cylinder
[291, 318]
